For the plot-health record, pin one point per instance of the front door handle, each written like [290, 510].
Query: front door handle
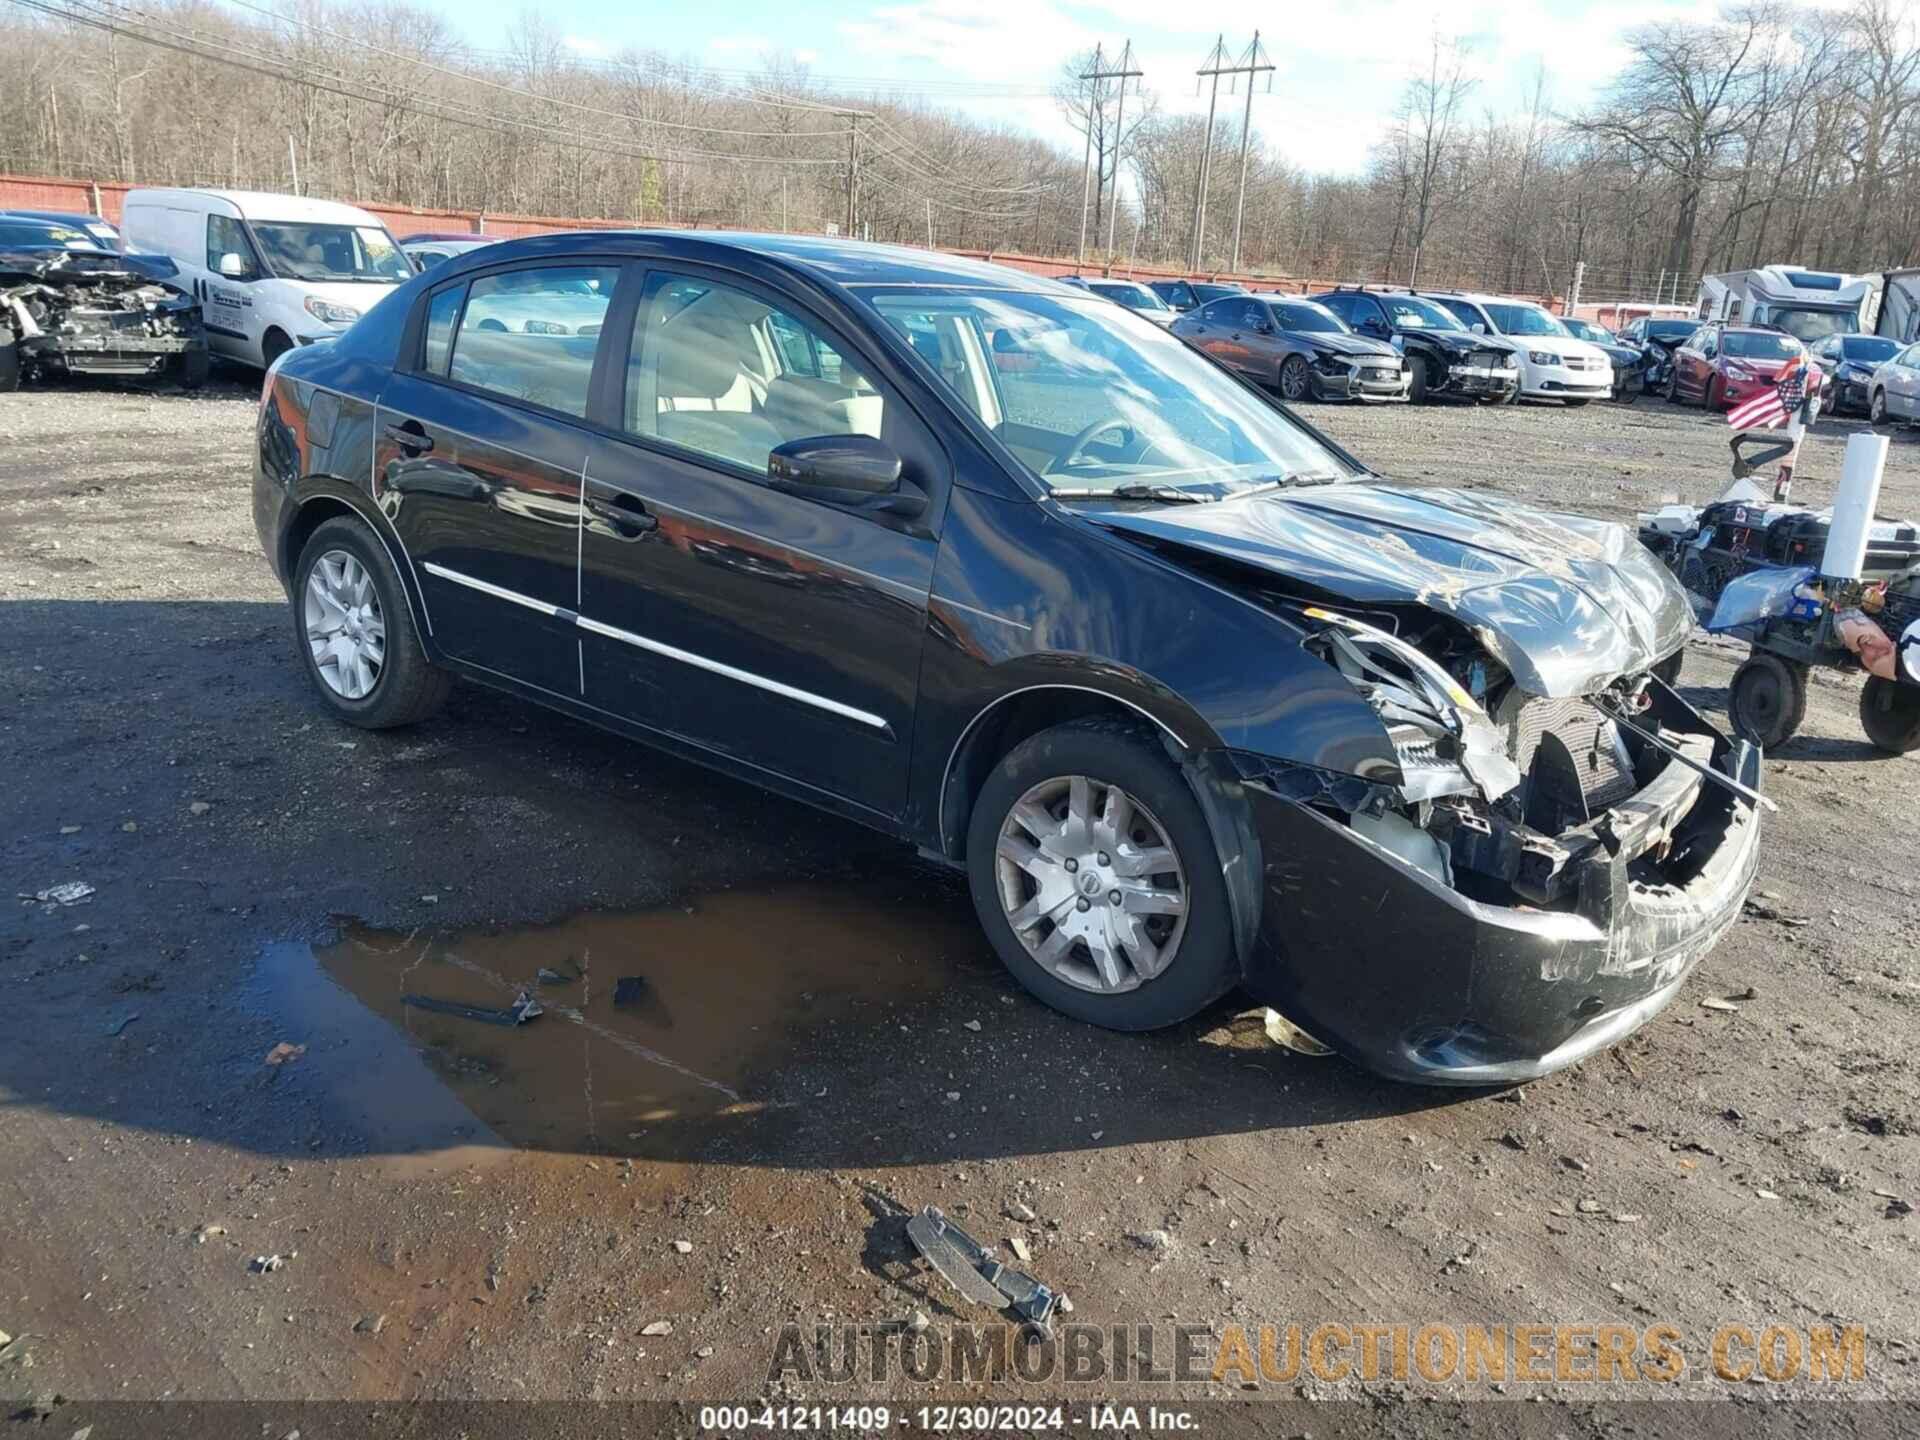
[625, 512]
[409, 437]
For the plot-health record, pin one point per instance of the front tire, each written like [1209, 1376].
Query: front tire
[1422, 380]
[1296, 384]
[1890, 714]
[1072, 818]
[1768, 699]
[1877, 408]
[272, 347]
[1574, 404]
[355, 634]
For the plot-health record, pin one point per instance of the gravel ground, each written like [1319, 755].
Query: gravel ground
[470, 1211]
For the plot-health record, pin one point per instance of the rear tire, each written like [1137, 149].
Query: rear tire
[1890, 714]
[408, 687]
[1768, 699]
[1197, 958]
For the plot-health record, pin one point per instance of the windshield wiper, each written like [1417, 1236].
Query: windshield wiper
[1135, 490]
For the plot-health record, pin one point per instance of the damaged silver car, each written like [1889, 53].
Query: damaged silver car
[89, 312]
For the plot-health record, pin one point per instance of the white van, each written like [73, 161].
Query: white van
[270, 271]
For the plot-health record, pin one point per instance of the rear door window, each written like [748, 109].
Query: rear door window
[442, 311]
[530, 334]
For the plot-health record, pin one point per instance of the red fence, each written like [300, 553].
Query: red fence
[106, 197]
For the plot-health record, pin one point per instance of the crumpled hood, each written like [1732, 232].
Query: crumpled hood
[1567, 604]
[1347, 344]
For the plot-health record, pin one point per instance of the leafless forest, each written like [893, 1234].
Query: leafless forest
[1774, 134]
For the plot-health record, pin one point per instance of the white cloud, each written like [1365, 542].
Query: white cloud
[586, 45]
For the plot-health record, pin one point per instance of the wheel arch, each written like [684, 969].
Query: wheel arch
[322, 500]
[1019, 713]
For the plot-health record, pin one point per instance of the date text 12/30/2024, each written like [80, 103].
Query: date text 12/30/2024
[943, 1419]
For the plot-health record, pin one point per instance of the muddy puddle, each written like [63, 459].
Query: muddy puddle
[666, 1023]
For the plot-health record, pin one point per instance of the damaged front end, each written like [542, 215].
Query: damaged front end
[1531, 881]
[85, 313]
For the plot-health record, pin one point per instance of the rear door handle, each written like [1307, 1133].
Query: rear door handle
[409, 437]
[625, 512]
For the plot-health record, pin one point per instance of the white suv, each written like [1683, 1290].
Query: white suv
[1553, 364]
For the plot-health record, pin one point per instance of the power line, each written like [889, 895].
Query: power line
[100, 15]
[470, 78]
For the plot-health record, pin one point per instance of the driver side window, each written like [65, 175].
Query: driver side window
[717, 370]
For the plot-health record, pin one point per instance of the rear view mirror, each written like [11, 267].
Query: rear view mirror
[856, 463]
[234, 267]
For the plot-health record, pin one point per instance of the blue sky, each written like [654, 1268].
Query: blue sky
[1341, 66]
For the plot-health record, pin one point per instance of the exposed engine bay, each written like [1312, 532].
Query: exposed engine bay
[1501, 795]
[79, 312]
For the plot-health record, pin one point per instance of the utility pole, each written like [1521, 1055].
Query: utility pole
[293, 161]
[1251, 66]
[853, 168]
[1573, 293]
[929, 223]
[1216, 60]
[1097, 105]
[1123, 74]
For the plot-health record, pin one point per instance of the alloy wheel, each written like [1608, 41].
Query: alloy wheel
[346, 631]
[1293, 379]
[1091, 884]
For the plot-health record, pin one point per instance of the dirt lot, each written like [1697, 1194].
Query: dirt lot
[820, 1038]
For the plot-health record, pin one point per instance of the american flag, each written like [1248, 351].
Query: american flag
[1769, 409]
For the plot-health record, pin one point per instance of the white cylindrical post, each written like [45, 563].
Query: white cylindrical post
[1853, 506]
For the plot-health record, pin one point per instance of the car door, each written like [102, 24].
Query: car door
[1260, 344]
[232, 320]
[779, 628]
[1206, 329]
[1903, 383]
[1365, 317]
[480, 446]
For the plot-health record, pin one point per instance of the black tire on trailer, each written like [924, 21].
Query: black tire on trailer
[1014, 870]
[1768, 699]
[1890, 714]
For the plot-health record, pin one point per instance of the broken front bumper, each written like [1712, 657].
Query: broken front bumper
[1420, 982]
[1481, 379]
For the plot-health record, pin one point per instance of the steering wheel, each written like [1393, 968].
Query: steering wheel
[1091, 433]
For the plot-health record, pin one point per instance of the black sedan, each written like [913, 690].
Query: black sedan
[1299, 348]
[1185, 295]
[1848, 362]
[1011, 573]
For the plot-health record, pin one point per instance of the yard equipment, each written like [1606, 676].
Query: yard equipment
[1837, 588]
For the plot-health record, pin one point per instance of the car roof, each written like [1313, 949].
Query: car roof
[267, 206]
[844, 264]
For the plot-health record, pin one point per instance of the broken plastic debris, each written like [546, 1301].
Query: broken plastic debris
[283, 1052]
[1284, 1032]
[267, 1264]
[971, 1269]
[523, 1009]
[73, 892]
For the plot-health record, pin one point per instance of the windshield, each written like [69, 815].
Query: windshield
[1091, 399]
[1867, 349]
[1811, 326]
[1524, 320]
[1411, 314]
[1671, 329]
[1134, 297]
[1587, 330]
[1218, 292]
[43, 236]
[1308, 319]
[1758, 345]
[331, 252]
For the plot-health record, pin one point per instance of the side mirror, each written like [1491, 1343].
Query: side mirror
[845, 470]
[235, 267]
[1478, 328]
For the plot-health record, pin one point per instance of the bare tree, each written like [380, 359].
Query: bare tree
[1423, 138]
